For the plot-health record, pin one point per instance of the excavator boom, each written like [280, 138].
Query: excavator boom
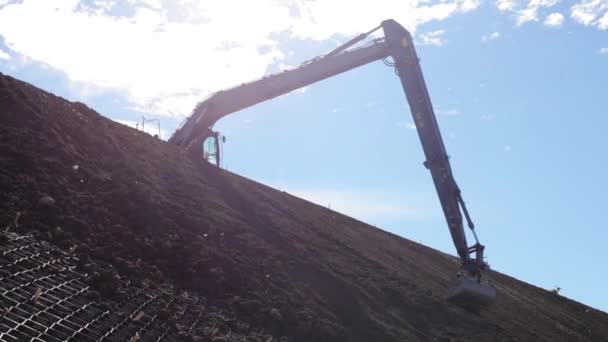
[228, 101]
[468, 289]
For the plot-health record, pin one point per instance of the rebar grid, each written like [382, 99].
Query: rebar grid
[44, 298]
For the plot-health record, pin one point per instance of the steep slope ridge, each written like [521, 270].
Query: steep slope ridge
[278, 261]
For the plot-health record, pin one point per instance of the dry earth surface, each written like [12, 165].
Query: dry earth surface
[158, 214]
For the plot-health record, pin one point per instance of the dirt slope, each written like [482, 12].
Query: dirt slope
[278, 261]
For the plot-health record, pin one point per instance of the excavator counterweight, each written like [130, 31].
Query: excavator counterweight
[469, 288]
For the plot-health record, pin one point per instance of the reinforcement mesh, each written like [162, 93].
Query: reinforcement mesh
[44, 298]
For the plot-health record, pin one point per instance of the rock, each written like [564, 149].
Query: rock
[46, 201]
[58, 234]
[248, 307]
[275, 314]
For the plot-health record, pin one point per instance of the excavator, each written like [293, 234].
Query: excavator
[469, 288]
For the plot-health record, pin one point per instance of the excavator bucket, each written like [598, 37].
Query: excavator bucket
[470, 293]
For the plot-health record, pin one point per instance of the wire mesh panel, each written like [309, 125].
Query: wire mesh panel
[43, 297]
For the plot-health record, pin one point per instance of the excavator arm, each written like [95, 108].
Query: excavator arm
[467, 289]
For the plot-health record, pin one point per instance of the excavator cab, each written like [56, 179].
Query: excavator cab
[211, 149]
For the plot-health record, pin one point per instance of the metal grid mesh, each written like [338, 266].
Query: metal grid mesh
[44, 298]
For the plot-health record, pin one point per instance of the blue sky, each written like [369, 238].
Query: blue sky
[519, 88]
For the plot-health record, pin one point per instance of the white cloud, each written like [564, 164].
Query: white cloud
[469, 5]
[591, 13]
[4, 55]
[161, 64]
[602, 23]
[433, 38]
[167, 55]
[604, 51]
[493, 36]
[301, 90]
[554, 19]
[155, 4]
[318, 18]
[506, 5]
[530, 12]
[408, 125]
[526, 15]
